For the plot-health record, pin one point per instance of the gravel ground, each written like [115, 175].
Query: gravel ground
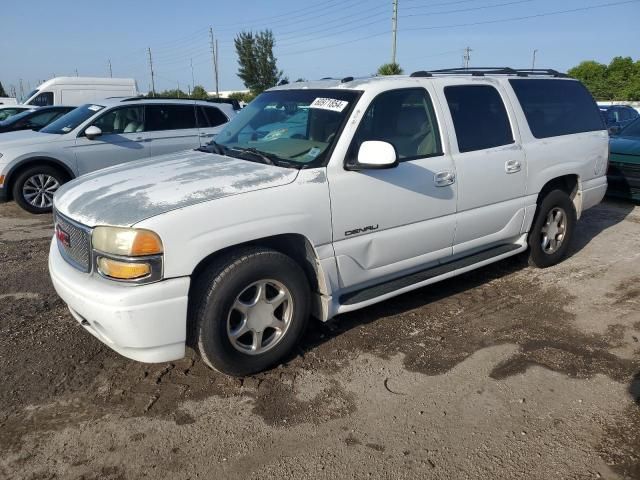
[504, 373]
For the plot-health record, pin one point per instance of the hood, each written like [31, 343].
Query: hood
[127, 194]
[25, 137]
[625, 145]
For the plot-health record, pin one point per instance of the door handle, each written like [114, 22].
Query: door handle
[512, 166]
[444, 178]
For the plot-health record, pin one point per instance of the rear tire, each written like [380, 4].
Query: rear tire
[552, 230]
[33, 189]
[249, 310]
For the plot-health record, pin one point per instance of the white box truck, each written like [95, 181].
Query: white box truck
[80, 90]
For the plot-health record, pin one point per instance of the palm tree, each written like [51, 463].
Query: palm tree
[390, 69]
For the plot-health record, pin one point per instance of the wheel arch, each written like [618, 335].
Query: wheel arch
[294, 245]
[570, 184]
[15, 171]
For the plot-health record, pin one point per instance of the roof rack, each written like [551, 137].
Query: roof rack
[231, 101]
[482, 71]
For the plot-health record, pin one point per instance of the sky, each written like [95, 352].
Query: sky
[314, 39]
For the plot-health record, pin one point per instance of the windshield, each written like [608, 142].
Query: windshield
[289, 127]
[632, 130]
[71, 120]
[29, 95]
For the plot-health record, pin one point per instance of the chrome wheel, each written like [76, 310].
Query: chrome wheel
[554, 230]
[38, 190]
[260, 317]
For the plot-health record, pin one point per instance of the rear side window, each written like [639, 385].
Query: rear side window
[210, 117]
[557, 107]
[170, 117]
[479, 117]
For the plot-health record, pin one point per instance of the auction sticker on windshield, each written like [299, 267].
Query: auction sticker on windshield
[329, 104]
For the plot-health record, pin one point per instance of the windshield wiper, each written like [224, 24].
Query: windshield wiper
[212, 147]
[267, 158]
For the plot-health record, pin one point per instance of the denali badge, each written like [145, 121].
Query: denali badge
[355, 231]
[63, 237]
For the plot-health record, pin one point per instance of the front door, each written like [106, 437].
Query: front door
[123, 140]
[390, 222]
[491, 168]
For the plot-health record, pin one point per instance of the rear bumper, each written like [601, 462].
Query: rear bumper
[143, 322]
[593, 192]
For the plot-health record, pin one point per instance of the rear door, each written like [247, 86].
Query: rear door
[172, 127]
[123, 140]
[210, 121]
[490, 165]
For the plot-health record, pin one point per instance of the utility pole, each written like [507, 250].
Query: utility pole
[214, 59]
[21, 90]
[153, 80]
[394, 31]
[76, 72]
[110, 70]
[533, 63]
[467, 57]
[193, 81]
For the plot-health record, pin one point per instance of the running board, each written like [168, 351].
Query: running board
[385, 288]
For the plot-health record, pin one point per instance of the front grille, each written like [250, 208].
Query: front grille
[74, 242]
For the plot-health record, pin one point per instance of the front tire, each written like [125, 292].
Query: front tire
[34, 188]
[552, 230]
[249, 310]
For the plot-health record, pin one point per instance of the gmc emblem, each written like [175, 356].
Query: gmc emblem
[63, 237]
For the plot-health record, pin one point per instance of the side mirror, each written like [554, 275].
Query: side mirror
[375, 155]
[92, 132]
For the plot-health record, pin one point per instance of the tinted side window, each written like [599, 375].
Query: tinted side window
[170, 117]
[479, 117]
[42, 100]
[215, 116]
[557, 107]
[405, 118]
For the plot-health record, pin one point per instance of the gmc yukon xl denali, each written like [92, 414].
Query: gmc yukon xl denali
[324, 197]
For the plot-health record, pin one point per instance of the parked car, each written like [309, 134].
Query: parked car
[618, 116]
[397, 183]
[624, 163]
[33, 165]
[79, 90]
[7, 111]
[33, 119]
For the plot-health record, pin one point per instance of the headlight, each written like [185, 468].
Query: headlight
[128, 254]
[129, 242]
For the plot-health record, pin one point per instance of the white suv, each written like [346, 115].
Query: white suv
[321, 198]
[33, 165]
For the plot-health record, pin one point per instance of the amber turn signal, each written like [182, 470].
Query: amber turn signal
[123, 270]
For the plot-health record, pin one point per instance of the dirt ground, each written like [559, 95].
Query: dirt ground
[504, 373]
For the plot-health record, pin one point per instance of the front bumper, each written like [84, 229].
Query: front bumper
[147, 323]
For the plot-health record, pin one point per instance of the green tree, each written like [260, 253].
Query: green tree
[594, 77]
[2, 92]
[257, 66]
[620, 80]
[242, 96]
[174, 93]
[199, 93]
[390, 69]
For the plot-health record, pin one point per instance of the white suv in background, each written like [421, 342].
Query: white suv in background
[33, 165]
[321, 198]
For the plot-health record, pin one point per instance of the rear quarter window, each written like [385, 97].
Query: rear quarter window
[557, 107]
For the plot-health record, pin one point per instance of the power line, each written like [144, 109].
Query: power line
[471, 9]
